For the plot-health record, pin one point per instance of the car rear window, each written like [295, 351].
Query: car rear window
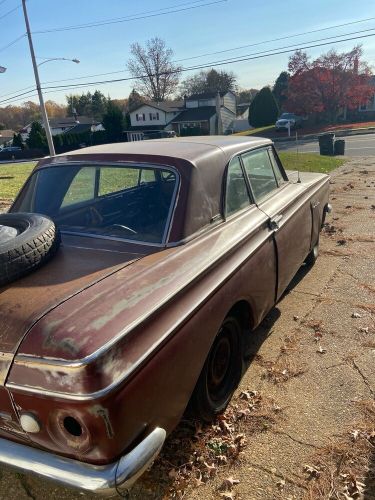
[126, 202]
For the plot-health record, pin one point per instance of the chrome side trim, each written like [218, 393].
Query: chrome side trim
[104, 480]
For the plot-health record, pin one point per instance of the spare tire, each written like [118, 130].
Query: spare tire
[26, 242]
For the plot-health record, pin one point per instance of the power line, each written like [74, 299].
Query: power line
[134, 17]
[10, 12]
[281, 50]
[201, 55]
[12, 42]
[277, 39]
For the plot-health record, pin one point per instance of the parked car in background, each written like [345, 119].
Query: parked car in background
[173, 251]
[10, 149]
[295, 121]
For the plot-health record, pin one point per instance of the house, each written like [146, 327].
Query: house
[6, 137]
[200, 114]
[206, 114]
[71, 124]
[152, 116]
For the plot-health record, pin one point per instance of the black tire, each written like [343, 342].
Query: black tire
[313, 255]
[221, 372]
[26, 242]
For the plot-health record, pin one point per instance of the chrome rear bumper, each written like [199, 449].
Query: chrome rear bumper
[104, 480]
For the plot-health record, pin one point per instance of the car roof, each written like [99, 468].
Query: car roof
[189, 148]
[200, 162]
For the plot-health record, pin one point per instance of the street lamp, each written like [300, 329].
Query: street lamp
[77, 61]
[37, 81]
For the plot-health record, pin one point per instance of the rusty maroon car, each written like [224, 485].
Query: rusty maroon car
[172, 252]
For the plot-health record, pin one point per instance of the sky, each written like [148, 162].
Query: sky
[196, 28]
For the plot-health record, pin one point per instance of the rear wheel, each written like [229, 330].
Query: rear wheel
[221, 372]
[313, 255]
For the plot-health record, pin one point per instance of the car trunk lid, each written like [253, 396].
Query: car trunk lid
[79, 263]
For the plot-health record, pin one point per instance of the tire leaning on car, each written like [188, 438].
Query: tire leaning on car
[27, 241]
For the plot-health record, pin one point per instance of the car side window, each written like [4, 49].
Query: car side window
[260, 173]
[237, 195]
[279, 176]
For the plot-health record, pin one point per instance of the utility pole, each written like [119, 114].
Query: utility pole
[38, 87]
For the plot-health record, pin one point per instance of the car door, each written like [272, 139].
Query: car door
[289, 215]
[258, 270]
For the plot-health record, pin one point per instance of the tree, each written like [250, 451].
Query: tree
[263, 109]
[156, 75]
[17, 141]
[329, 83]
[280, 89]
[93, 105]
[246, 96]
[37, 137]
[113, 122]
[208, 81]
[134, 100]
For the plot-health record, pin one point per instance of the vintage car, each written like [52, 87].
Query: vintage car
[172, 252]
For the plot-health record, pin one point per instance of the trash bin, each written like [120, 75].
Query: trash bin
[339, 147]
[326, 144]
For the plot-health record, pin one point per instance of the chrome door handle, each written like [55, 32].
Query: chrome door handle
[273, 223]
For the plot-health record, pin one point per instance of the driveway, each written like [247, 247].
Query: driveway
[355, 146]
[300, 424]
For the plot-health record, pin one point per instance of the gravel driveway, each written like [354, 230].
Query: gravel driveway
[300, 423]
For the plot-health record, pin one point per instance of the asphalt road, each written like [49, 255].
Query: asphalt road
[358, 145]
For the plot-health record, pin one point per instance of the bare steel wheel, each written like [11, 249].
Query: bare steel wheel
[221, 372]
[313, 255]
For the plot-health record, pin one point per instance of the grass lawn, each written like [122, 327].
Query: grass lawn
[310, 162]
[13, 175]
[12, 178]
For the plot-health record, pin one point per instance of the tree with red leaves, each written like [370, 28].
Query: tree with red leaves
[328, 84]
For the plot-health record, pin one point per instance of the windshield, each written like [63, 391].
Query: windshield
[287, 115]
[118, 201]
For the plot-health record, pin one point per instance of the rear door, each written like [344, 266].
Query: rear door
[289, 215]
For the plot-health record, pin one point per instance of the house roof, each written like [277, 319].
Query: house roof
[166, 106]
[79, 128]
[71, 121]
[207, 95]
[202, 113]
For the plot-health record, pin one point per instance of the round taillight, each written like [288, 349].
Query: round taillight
[30, 423]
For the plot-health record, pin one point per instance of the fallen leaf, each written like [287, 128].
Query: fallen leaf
[312, 471]
[280, 484]
[364, 330]
[320, 350]
[355, 434]
[228, 483]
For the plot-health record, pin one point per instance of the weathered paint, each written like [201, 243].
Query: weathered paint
[121, 348]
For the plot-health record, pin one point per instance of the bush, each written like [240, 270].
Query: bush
[263, 109]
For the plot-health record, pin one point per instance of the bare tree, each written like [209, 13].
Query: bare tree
[156, 75]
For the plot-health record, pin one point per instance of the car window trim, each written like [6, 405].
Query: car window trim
[131, 164]
[224, 216]
[271, 193]
[279, 164]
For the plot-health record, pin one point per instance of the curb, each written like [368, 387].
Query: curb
[338, 133]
